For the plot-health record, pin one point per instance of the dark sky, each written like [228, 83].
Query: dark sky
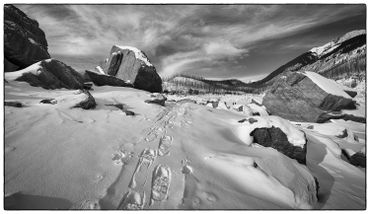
[213, 41]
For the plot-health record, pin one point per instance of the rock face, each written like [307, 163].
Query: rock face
[273, 137]
[48, 74]
[130, 64]
[296, 97]
[24, 41]
[101, 80]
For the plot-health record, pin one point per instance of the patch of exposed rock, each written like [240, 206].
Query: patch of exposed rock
[24, 41]
[48, 74]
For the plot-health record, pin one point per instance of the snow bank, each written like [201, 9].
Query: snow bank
[294, 135]
[138, 54]
[328, 85]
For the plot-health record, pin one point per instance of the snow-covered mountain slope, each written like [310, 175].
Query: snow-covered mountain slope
[340, 58]
[181, 156]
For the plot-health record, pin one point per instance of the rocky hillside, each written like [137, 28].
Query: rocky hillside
[24, 42]
[185, 84]
[344, 57]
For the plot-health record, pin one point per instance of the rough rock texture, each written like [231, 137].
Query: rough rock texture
[275, 138]
[88, 102]
[124, 65]
[24, 41]
[48, 74]
[101, 80]
[296, 97]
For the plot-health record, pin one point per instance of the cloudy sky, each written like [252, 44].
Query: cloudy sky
[213, 41]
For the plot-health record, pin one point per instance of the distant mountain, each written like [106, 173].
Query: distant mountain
[185, 84]
[343, 57]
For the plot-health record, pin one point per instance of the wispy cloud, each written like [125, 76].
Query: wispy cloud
[213, 40]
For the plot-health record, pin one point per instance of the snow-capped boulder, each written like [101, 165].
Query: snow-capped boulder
[24, 41]
[305, 97]
[48, 74]
[131, 64]
[103, 79]
[273, 137]
[274, 132]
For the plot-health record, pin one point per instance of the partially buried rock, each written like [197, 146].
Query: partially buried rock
[274, 132]
[358, 159]
[273, 137]
[157, 98]
[48, 74]
[88, 102]
[49, 101]
[13, 104]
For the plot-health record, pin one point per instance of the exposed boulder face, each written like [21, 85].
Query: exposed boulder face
[24, 41]
[273, 137]
[101, 80]
[296, 97]
[48, 74]
[131, 65]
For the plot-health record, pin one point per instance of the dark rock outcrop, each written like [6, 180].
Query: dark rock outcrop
[131, 65]
[88, 102]
[13, 104]
[123, 108]
[49, 101]
[275, 138]
[296, 97]
[24, 41]
[101, 80]
[358, 159]
[48, 74]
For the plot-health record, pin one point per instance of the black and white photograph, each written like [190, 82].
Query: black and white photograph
[184, 106]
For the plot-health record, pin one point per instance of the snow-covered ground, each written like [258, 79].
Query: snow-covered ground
[181, 156]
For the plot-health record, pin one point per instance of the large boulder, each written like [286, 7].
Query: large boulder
[48, 74]
[302, 97]
[102, 79]
[24, 41]
[131, 65]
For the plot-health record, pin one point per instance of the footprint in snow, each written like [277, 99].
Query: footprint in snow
[164, 145]
[86, 205]
[161, 182]
[132, 201]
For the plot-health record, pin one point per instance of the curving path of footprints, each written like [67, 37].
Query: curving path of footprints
[148, 175]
